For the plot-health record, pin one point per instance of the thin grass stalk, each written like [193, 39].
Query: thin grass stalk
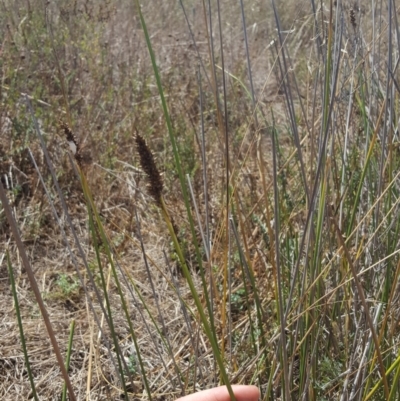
[69, 352]
[367, 215]
[205, 176]
[358, 387]
[388, 303]
[225, 131]
[320, 164]
[153, 320]
[313, 157]
[251, 278]
[351, 358]
[283, 77]
[395, 389]
[389, 306]
[35, 289]
[226, 294]
[287, 162]
[330, 82]
[346, 144]
[71, 226]
[238, 207]
[118, 352]
[208, 243]
[159, 331]
[329, 92]
[319, 35]
[243, 85]
[178, 166]
[21, 327]
[200, 309]
[226, 289]
[365, 306]
[58, 65]
[247, 275]
[246, 44]
[307, 235]
[308, 367]
[391, 242]
[316, 292]
[160, 315]
[195, 45]
[268, 392]
[362, 364]
[272, 256]
[300, 328]
[226, 307]
[364, 172]
[331, 72]
[210, 42]
[388, 113]
[248, 305]
[186, 318]
[279, 276]
[196, 350]
[97, 229]
[300, 100]
[230, 269]
[263, 169]
[75, 262]
[289, 97]
[394, 365]
[196, 209]
[210, 45]
[302, 354]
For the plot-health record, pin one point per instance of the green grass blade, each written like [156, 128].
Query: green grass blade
[69, 351]
[21, 328]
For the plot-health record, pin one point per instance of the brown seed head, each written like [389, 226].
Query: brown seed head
[155, 183]
[81, 157]
[353, 18]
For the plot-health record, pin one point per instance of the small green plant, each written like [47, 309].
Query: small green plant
[329, 371]
[238, 300]
[67, 285]
[132, 364]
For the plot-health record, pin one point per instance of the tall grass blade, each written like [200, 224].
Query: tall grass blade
[21, 328]
[68, 360]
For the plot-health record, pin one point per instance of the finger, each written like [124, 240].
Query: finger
[242, 393]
